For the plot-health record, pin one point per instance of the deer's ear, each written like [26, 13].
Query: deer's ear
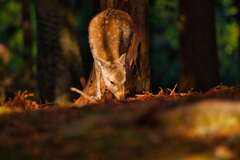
[122, 59]
[102, 62]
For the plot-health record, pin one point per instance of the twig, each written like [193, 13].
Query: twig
[83, 94]
[173, 92]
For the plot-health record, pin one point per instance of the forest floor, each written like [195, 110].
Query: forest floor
[168, 126]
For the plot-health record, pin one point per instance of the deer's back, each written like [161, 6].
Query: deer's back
[110, 34]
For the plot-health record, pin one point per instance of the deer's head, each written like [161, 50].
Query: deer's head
[114, 75]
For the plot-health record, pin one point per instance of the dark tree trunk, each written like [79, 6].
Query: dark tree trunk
[198, 45]
[59, 64]
[48, 29]
[140, 15]
[27, 34]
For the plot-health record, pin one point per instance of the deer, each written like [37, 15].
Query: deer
[113, 40]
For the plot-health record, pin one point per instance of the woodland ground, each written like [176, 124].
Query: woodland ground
[168, 126]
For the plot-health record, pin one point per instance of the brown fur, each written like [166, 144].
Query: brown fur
[113, 42]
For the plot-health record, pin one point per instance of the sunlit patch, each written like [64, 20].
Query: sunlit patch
[4, 110]
[207, 118]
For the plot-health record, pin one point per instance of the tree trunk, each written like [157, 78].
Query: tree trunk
[198, 51]
[59, 64]
[48, 29]
[140, 15]
[27, 33]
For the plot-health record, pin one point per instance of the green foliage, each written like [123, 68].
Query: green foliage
[11, 33]
[165, 9]
[164, 43]
[227, 41]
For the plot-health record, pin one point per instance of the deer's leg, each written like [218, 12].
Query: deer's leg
[98, 82]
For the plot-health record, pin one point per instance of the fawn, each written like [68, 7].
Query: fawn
[113, 42]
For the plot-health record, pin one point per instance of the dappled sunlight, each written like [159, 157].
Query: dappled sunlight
[4, 110]
[206, 118]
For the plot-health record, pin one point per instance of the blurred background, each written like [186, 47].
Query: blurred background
[18, 42]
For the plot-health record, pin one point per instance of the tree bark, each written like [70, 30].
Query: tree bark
[27, 34]
[198, 51]
[140, 15]
[48, 29]
[59, 64]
